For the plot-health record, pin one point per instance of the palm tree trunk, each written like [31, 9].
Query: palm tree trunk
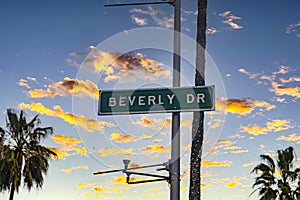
[12, 192]
[198, 118]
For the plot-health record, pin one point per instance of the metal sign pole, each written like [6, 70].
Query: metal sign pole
[175, 140]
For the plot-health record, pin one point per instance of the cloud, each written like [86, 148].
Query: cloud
[157, 16]
[88, 124]
[68, 146]
[251, 75]
[114, 151]
[229, 19]
[290, 79]
[292, 28]
[123, 67]
[290, 138]
[139, 21]
[71, 169]
[232, 184]
[155, 149]
[211, 31]
[242, 106]
[122, 138]
[280, 90]
[209, 163]
[248, 164]
[154, 123]
[59, 153]
[24, 82]
[65, 87]
[271, 126]
[282, 70]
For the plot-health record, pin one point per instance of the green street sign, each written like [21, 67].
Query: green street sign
[156, 100]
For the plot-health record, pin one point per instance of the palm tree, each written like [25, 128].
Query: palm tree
[198, 118]
[22, 157]
[278, 181]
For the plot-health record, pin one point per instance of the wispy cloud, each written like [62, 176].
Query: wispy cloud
[122, 67]
[65, 87]
[139, 20]
[229, 19]
[209, 163]
[271, 126]
[290, 138]
[88, 124]
[68, 146]
[211, 31]
[243, 106]
[114, 151]
[155, 149]
[251, 75]
[292, 28]
[154, 123]
[157, 16]
[71, 169]
[122, 138]
[25, 82]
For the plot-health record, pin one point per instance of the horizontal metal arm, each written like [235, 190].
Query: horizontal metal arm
[147, 181]
[145, 174]
[124, 170]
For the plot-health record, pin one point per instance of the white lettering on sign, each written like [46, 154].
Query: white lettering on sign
[200, 96]
[122, 101]
[190, 98]
[131, 101]
[151, 99]
[112, 101]
[142, 100]
[171, 98]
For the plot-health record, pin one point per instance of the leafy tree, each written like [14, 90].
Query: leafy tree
[22, 157]
[278, 181]
[198, 118]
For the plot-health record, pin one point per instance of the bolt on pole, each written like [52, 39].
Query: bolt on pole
[175, 140]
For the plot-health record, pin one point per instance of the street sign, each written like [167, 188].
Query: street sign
[156, 100]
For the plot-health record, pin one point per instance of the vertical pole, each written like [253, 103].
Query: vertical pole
[175, 140]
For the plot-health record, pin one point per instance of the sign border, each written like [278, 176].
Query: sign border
[158, 111]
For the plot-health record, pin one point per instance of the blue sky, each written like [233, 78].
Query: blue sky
[252, 48]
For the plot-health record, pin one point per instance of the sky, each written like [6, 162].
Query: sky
[56, 55]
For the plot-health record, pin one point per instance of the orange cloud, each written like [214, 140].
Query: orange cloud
[153, 123]
[113, 151]
[65, 87]
[209, 163]
[68, 144]
[121, 67]
[248, 164]
[88, 124]
[204, 186]
[59, 153]
[271, 126]
[71, 169]
[155, 149]
[290, 138]
[241, 106]
[254, 129]
[122, 138]
[280, 90]
[251, 75]
[232, 184]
